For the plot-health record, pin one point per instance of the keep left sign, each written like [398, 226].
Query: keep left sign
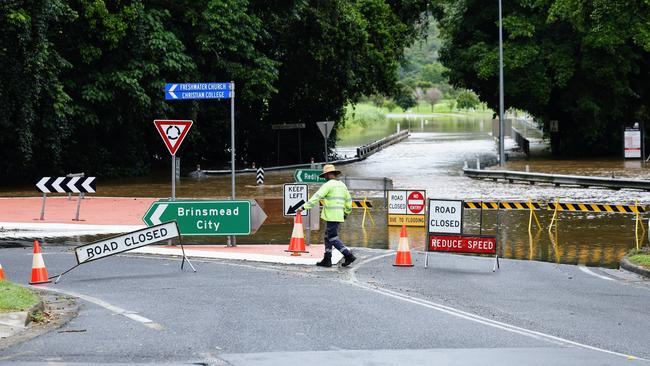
[123, 243]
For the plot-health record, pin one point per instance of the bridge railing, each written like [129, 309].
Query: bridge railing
[373, 147]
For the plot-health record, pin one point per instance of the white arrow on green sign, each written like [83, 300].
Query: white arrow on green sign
[308, 176]
[196, 217]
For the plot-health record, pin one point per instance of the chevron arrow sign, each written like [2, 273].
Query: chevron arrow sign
[66, 185]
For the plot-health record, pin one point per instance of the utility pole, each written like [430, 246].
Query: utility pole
[502, 155]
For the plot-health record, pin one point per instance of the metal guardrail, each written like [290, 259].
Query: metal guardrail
[283, 167]
[371, 148]
[362, 153]
[558, 179]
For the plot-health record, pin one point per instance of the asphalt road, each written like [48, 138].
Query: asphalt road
[457, 311]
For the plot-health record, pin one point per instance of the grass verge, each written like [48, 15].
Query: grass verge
[640, 258]
[15, 298]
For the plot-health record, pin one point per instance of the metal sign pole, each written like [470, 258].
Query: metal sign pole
[81, 196]
[308, 228]
[173, 177]
[233, 240]
[325, 142]
[43, 207]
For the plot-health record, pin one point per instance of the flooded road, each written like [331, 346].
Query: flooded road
[432, 159]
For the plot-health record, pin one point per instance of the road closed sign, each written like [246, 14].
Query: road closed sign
[119, 244]
[445, 216]
[407, 207]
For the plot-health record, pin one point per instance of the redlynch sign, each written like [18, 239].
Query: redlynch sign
[463, 244]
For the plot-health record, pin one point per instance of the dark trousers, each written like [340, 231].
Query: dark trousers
[332, 238]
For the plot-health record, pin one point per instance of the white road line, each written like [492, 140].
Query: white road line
[115, 309]
[592, 273]
[470, 316]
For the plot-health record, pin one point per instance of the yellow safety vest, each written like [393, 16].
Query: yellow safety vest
[337, 201]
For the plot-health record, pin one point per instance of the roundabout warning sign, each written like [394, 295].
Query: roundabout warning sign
[406, 208]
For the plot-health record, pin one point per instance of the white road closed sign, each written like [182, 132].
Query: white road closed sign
[445, 216]
[119, 244]
[295, 196]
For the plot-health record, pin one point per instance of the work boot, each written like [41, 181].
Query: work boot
[349, 259]
[326, 262]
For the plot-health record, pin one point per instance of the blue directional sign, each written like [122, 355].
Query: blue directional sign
[185, 91]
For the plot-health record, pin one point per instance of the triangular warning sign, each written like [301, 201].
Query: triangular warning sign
[172, 132]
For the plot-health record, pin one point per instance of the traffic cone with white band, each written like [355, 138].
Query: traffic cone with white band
[297, 243]
[403, 258]
[39, 272]
[2, 273]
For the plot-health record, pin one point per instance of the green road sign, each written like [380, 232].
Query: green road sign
[308, 176]
[203, 217]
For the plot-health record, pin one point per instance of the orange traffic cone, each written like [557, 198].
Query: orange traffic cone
[39, 272]
[403, 258]
[297, 243]
[2, 273]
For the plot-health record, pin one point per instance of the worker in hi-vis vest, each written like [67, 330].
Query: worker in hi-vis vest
[337, 205]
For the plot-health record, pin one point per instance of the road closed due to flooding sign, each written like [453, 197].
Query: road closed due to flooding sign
[406, 208]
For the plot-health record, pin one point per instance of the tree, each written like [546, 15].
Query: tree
[390, 105]
[405, 97]
[583, 63]
[82, 80]
[433, 73]
[467, 99]
[432, 96]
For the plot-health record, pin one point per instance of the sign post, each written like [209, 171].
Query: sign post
[68, 184]
[406, 207]
[193, 91]
[632, 142]
[173, 133]
[325, 128]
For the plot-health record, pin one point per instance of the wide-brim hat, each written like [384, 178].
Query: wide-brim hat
[329, 168]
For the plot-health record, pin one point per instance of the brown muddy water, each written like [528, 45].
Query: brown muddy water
[432, 159]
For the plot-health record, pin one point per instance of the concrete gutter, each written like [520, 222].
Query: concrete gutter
[628, 265]
[61, 309]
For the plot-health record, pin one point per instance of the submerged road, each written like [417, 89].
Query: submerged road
[457, 311]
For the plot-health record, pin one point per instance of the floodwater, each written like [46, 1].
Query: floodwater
[432, 159]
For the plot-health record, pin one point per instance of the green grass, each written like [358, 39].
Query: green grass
[642, 260]
[15, 298]
[442, 107]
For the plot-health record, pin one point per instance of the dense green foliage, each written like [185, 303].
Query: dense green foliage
[83, 79]
[585, 63]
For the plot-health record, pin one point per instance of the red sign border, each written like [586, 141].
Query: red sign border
[424, 204]
[183, 122]
[428, 243]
